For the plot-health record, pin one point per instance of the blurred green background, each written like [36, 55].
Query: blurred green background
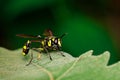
[90, 24]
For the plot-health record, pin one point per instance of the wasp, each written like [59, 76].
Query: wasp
[47, 43]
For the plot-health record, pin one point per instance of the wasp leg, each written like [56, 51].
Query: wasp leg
[38, 50]
[62, 54]
[30, 59]
[39, 56]
[59, 49]
[48, 53]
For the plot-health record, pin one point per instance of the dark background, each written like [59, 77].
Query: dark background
[90, 24]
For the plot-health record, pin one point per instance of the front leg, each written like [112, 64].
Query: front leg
[39, 55]
[48, 53]
[59, 49]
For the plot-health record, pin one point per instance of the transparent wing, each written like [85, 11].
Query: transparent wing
[48, 32]
[28, 36]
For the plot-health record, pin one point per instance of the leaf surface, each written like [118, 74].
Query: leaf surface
[84, 67]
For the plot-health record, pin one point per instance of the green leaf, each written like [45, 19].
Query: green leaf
[84, 67]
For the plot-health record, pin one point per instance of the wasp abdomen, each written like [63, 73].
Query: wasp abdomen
[26, 48]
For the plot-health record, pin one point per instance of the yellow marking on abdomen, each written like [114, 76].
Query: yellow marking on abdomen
[24, 47]
[28, 41]
[23, 54]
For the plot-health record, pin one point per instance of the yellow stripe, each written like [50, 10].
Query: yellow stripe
[59, 43]
[23, 54]
[53, 39]
[28, 41]
[49, 43]
[42, 43]
[24, 47]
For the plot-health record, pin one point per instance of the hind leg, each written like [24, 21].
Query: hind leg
[39, 55]
[30, 59]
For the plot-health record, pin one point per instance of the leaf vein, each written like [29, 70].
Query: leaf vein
[68, 70]
[45, 70]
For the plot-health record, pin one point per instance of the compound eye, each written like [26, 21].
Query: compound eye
[56, 41]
